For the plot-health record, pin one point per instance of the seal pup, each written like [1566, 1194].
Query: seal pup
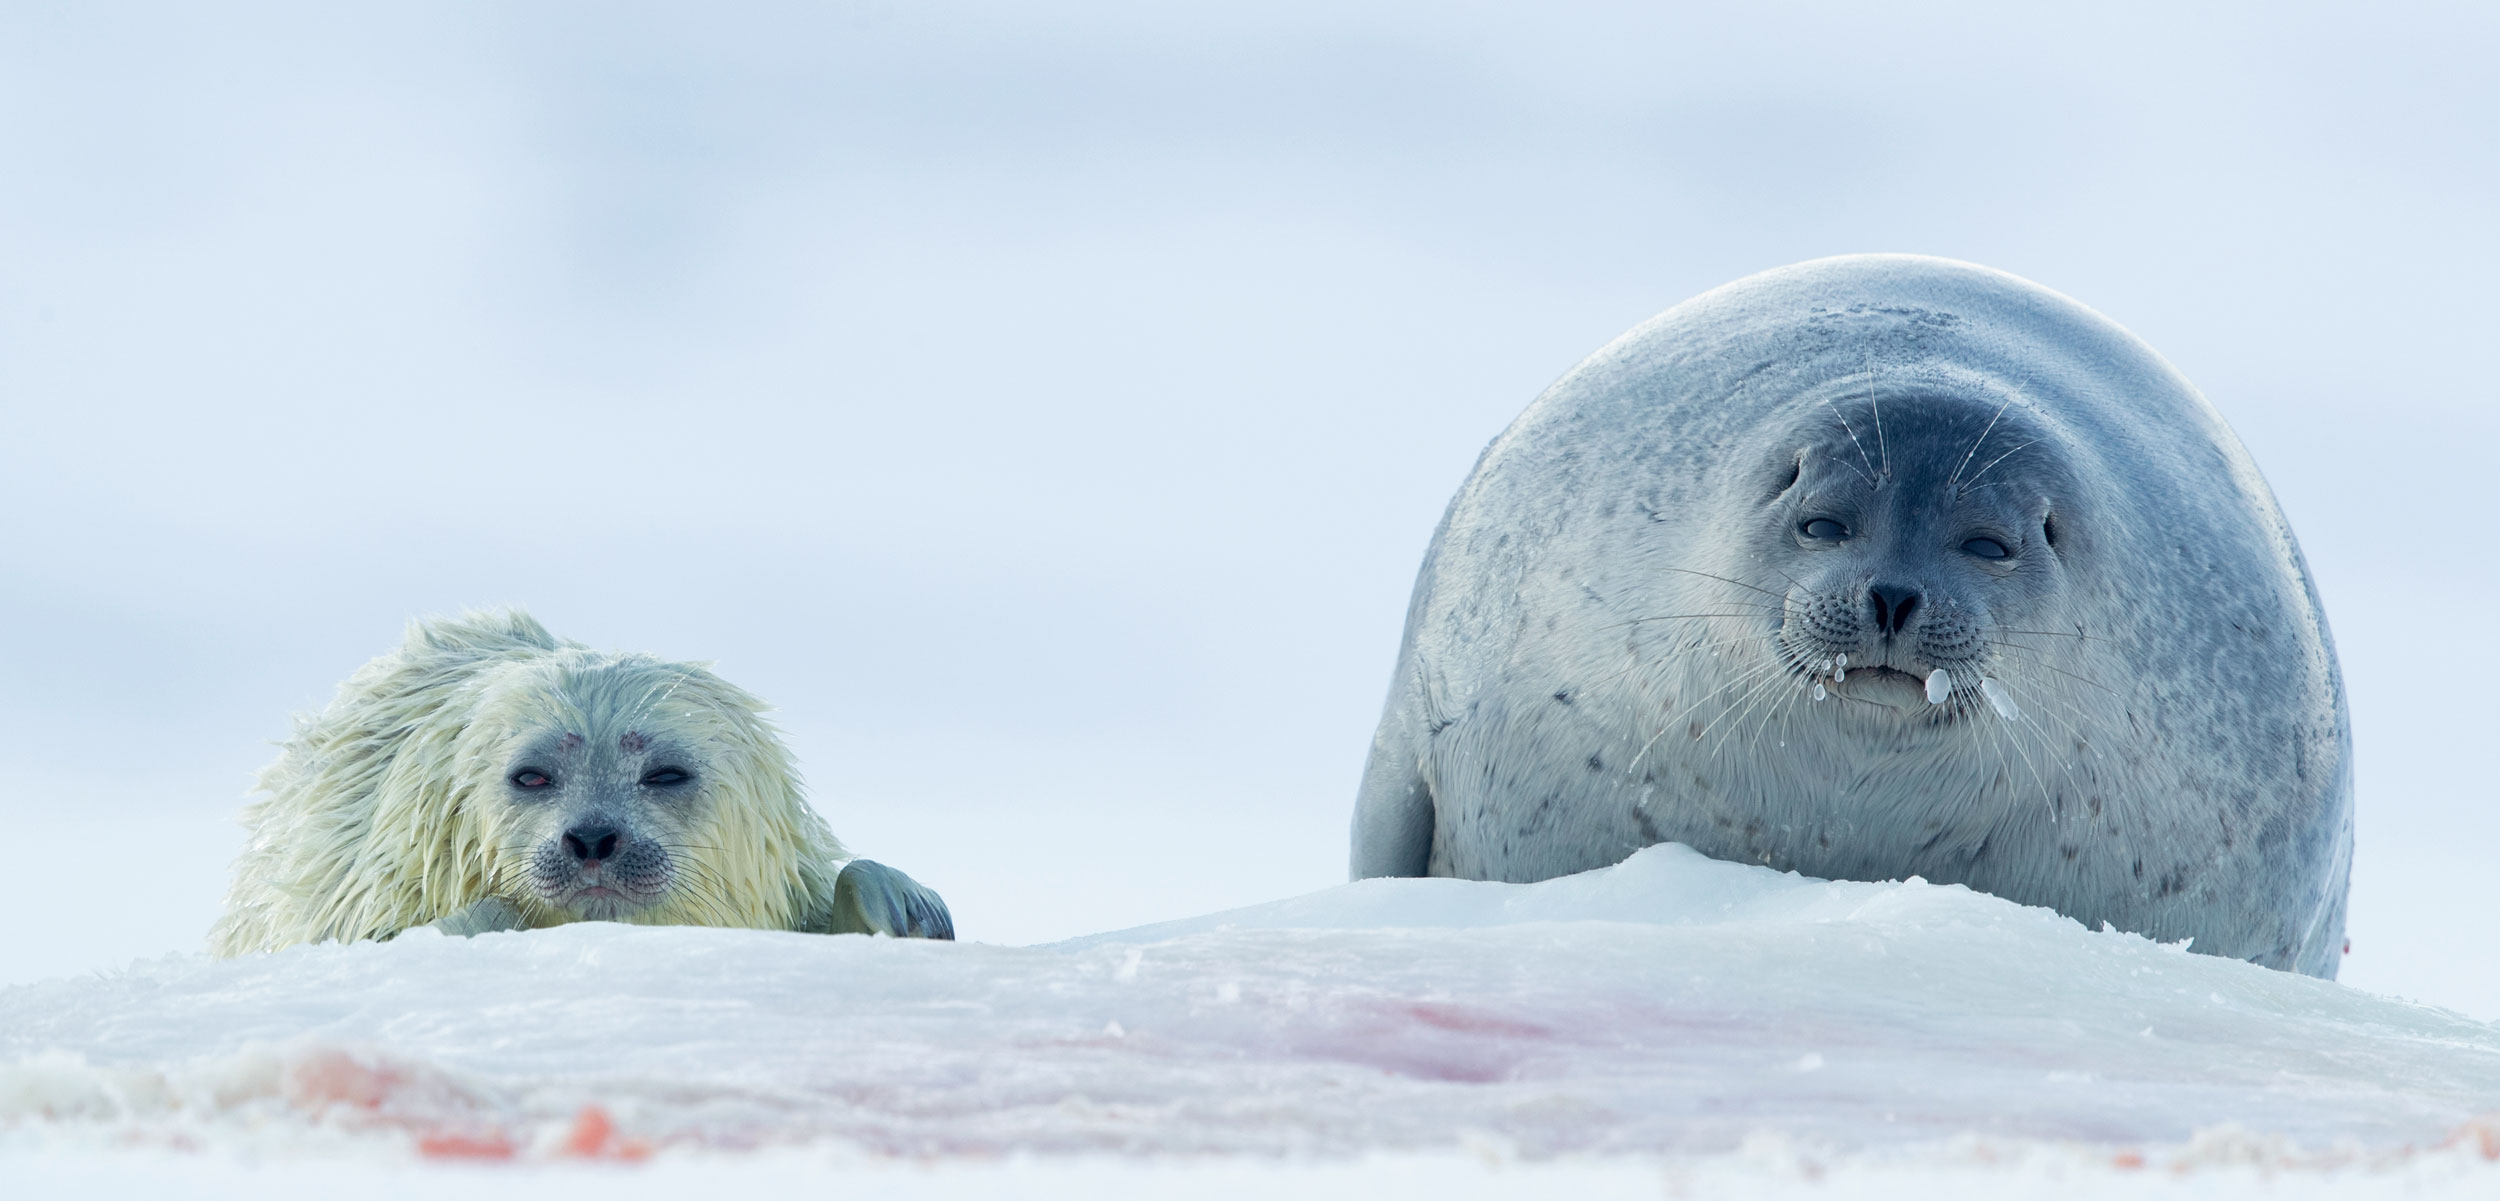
[489, 776]
[1875, 567]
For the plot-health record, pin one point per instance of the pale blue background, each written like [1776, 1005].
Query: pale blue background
[1048, 409]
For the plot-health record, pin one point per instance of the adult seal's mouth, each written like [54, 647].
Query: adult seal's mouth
[1883, 685]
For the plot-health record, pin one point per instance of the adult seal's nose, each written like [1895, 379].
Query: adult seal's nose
[1893, 604]
[590, 844]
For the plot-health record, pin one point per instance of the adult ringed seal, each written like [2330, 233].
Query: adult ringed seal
[489, 776]
[1872, 567]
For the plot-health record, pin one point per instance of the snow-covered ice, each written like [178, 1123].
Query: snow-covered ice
[1676, 1015]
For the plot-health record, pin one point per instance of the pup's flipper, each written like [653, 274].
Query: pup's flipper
[481, 917]
[871, 898]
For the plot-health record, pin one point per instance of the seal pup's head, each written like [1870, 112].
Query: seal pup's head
[1913, 535]
[619, 787]
[486, 760]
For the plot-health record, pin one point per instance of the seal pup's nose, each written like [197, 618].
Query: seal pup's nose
[1893, 604]
[590, 844]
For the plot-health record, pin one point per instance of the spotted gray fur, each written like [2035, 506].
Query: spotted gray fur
[1624, 633]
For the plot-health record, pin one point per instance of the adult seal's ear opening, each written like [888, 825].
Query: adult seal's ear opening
[487, 776]
[1872, 567]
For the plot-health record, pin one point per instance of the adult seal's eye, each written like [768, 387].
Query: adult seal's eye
[665, 777]
[530, 777]
[1985, 548]
[1825, 527]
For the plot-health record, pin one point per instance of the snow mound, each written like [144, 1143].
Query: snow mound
[1671, 1007]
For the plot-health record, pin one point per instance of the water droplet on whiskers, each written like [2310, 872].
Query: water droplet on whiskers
[1819, 694]
[1939, 686]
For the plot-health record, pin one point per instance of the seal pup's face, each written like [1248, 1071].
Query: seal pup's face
[1906, 554]
[599, 817]
[626, 788]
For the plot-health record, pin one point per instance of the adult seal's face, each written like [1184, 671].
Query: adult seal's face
[1913, 562]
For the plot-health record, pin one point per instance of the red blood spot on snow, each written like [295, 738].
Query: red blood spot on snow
[2487, 1139]
[2482, 1134]
[2128, 1160]
[594, 1137]
[591, 1131]
[465, 1146]
[327, 1077]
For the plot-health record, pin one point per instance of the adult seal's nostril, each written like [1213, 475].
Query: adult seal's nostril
[1893, 604]
[590, 844]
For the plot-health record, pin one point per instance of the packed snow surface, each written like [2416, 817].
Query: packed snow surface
[1669, 1010]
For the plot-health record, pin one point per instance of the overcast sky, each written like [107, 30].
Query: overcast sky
[1048, 411]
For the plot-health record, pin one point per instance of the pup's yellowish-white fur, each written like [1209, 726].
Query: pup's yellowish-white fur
[393, 808]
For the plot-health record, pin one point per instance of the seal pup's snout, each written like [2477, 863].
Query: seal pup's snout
[596, 867]
[591, 844]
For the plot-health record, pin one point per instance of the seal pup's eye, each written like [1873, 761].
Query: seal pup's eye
[1824, 527]
[530, 777]
[1985, 548]
[665, 777]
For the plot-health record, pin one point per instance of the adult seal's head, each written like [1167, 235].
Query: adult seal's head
[1871, 567]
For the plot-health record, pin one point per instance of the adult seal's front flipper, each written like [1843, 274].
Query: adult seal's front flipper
[871, 898]
[481, 917]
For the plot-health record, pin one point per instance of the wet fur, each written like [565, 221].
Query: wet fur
[387, 810]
